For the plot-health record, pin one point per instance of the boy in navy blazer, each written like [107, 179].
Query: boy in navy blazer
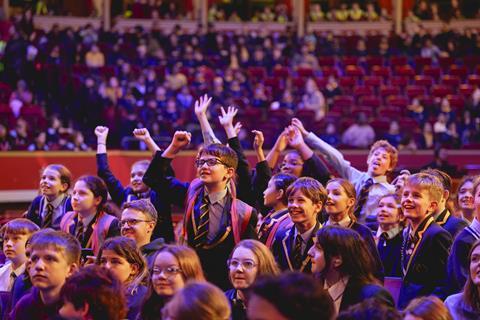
[426, 245]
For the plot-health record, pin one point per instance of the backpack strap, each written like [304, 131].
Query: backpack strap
[67, 221]
[100, 230]
[473, 232]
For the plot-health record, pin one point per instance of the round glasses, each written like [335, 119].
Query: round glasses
[246, 264]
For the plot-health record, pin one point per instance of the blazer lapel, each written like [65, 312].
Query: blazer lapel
[306, 258]
[287, 243]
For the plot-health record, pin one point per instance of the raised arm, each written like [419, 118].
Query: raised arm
[114, 186]
[201, 106]
[331, 155]
[279, 146]
[258, 145]
[142, 134]
[262, 173]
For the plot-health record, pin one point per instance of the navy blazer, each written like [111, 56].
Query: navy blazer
[34, 212]
[450, 223]
[283, 245]
[121, 194]
[390, 252]
[356, 292]
[427, 273]
[458, 265]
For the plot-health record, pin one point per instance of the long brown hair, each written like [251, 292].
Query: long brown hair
[471, 291]
[266, 262]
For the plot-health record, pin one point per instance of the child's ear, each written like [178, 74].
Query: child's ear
[230, 173]
[85, 310]
[318, 206]
[73, 268]
[280, 194]
[135, 269]
[433, 206]
[97, 201]
[64, 187]
[351, 202]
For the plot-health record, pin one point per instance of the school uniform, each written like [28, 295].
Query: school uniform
[121, 194]
[150, 249]
[285, 249]
[38, 210]
[366, 234]
[424, 262]
[459, 309]
[8, 275]
[458, 264]
[450, 223]
[356, 292]
[31, 307]
[135, 299]
[229, 219]
[389, 246]
[244, 179]
[260, 178]
[92, 231]
[272, 223]
[238, 307]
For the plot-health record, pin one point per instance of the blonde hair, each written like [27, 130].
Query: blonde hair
[428, 308]
[60, 241]
[350, 191]
[427, 182]
[391, 150]
[266, 262]
[200, 301]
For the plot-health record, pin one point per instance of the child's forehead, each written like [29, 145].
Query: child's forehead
[47, 249]
[205, 156]
[380, 150]
[50, 172]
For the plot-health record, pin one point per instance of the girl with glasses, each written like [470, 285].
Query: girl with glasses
[173, 267]
[249, 260]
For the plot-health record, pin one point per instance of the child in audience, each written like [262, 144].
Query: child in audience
[249, 260]
[426, 308]
[215, 220]
[466, 304]
[370, 185]
[47, 209]
[389, 236]
[15, 234]
[426, 245]
[89, 223]
[54, 257]
[138, 222]
[199, 301]
[465, 200]
[341, 259]
[137, 189]
[121, 256]
[275, 197]
[93, 293]
[306, 197]
[174, 266]
[457, 260]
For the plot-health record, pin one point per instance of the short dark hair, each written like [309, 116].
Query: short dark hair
[282, 181]
[226, 154]
[290, 292]
[98, 188]
[310, 188]
[370, 309]
[100, 289]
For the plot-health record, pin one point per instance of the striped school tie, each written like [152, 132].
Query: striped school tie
[47, 220]
[202, 229]
[297, 253]
[362, 198]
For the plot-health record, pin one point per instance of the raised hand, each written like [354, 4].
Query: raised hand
[258, 140]
[226, 118]
[181, 139]
[282, 141]
[238, 126]
[295, 138]
[101, 133]
[141, 134]
[201, 105]
[297, 123]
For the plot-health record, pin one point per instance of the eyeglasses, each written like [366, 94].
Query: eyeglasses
[168, 271]
[132, 222]
[210, 162]
[246, 264]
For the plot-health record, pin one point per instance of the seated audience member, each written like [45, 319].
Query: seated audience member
[121, 256]
[54, 257]
[442, 215]
[457, 260]
[15, 234]
[197, 300]
[359, 135]
[369, 185]
[343, 263]
[426, 244]
[137, 189]
[306, 197]
[389, 236]
[173, 267]
[465, 199]
[466, 304]
[48, 209]
[287, 296]
[275, 197]
[93, 293]
[89, 222]
[426, 308]
[339, 208]
[215, 220]
[138, 222]
[250, 259]
[370, 309]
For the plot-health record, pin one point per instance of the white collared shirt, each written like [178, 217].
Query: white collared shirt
[336, 291]
[6, 281]
[57, 207]
[345, 222]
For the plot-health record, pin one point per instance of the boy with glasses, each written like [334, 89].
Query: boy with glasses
[214, 220]
[138, 221]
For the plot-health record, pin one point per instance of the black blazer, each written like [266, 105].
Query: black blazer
[450, 223]
[356, 292]
[427, 273]
[390, 252]
[283, 245]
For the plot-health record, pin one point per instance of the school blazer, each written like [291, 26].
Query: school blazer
[355, 292]
[283, 245]
[450, 223]
[427, 273]
[34, 211]
[458, 264]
